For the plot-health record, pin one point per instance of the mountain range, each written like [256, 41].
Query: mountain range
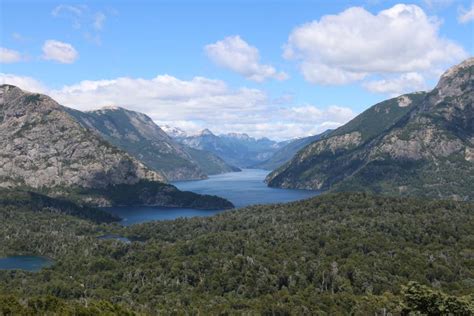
[416, 144]
[46, 149]
[138, 135]
[237, 149]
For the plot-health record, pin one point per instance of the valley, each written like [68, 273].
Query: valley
[268, 158]
[242, 189]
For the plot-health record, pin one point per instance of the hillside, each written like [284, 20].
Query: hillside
[35, 202]
[417, 144]
[139, 136]
[288, 151]
[335, 254]
[209, 162]
[45, 149]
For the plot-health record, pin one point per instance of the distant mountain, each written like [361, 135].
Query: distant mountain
[236, 149]
[174, 132]
[137, 134]
[46, 149]
[210, 163]
[288, 150]
[416, 144]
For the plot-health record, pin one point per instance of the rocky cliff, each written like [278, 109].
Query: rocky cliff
[46, 149]
[416, 144]
[43, 146]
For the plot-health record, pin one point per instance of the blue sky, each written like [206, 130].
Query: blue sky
[274, 68]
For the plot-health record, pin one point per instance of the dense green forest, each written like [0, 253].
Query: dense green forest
[337, 254]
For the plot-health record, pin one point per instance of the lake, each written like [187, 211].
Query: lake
[27, 263]
[241, 188]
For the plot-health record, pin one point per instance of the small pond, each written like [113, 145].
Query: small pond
[27, 263]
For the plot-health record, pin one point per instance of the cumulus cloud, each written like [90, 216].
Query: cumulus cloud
[356, 44]
[315, 115]
[59, 51]
[25, 83]
[193, 104]
[404, 83]
[8, 56]
[237, 55]
[466, 15]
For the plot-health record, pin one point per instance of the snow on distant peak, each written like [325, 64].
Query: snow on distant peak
[174, 131]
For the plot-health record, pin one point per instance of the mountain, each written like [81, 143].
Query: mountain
[235, 149]
[35, 202]
[210, 163]
[288, 150]
[416, 144]
[138, 135]
[174, 132]
[46, 149]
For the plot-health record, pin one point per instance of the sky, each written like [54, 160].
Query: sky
[277, 69]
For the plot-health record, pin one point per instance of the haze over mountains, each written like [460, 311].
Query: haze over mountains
[417, 144]
[240, 149]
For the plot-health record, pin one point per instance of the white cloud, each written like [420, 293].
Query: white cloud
[355, 44]
[237, 55]
[58, 51]
[314, 115]
[8, 56]
[466, 16]
[404, 83]
[196, 104]
[25, 83]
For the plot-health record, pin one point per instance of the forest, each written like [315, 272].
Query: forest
[336, 254]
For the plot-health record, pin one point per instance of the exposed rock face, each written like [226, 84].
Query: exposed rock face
[43, 146]
[45, 149]
[417, 144]
[137, 134]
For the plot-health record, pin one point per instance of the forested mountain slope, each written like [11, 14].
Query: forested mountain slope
[138, 135]
[418, 144]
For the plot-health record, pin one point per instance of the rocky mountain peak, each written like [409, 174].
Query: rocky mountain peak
[206, 132]
[174, 132]
[44, 146]
[456, 80]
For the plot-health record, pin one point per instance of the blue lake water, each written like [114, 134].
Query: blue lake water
[241, 188]
[27, 263]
